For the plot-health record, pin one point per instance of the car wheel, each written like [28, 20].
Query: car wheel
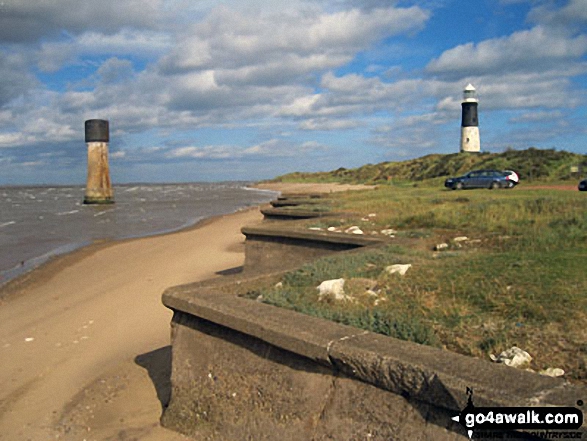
[459, 186]
[494, 185]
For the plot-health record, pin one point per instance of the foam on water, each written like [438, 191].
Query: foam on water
[35, 228]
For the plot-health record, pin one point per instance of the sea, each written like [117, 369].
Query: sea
[38, 223]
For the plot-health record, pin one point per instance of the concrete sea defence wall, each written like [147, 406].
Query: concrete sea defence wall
[271, 248]
[242, 369]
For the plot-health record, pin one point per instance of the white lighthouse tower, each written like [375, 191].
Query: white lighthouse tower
[470, 141]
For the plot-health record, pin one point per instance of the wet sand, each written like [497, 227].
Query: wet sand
[84, 340]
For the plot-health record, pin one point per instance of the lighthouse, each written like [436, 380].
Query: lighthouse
[98, 185]
[470, 141]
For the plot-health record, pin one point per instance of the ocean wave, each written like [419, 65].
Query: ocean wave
[103, 212]
[67, 212]
[5, 224]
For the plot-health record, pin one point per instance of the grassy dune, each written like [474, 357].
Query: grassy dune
[531, 164]
[520, 278]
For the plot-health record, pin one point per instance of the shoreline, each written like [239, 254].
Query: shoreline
[90, 324]
[86, 337]
[56, 260]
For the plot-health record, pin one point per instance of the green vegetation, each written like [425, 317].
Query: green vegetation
[531, 164]
[520, 278]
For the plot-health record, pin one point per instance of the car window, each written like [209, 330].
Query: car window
[473, 175]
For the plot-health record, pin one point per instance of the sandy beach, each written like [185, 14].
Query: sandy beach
[84, 340]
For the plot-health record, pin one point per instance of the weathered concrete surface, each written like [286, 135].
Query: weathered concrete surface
[290, 213]
[295, 202]
[98, 185]
[273, 248]
[246, 370]
[229, 385]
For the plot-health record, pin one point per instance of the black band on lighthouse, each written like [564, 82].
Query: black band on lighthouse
[97, 130]
[470, 118]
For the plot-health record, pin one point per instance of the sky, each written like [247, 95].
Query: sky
[231, 90]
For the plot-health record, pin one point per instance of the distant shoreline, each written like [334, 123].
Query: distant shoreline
[25, 262]
[57, 262]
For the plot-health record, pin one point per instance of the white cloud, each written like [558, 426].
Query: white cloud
[15, 80]
[306, 41]
[533, 50]
[207, 152]
[329, 124]
[571, 17]
[53, 56]
[273, 148]
[118, 155]
[28, 20]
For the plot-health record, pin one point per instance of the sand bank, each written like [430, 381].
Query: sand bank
[286, 187]
[84, 339]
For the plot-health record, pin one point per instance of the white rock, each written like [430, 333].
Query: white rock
[399, 268]
[353, 230]
[336, 230]
[514, 357]
[441, 246]
[552, 372]
[388, 232]
[461, 239]
[279, 285]
[332, 289]
[29, 339]
[372, 215]
[315, 228]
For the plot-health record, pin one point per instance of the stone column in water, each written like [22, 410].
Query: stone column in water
[98, 186]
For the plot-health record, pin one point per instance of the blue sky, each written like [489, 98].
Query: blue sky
[212, 90]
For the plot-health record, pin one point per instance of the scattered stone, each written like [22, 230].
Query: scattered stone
[461, 239]
[514, 357]
[332, 290]
[279, 285]
[29, 339]
[441, 246]
[353, 230]
[372, 215]
[334, 229]
[388, 232]
[315, 228]
[552, 372]
[399, 268]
